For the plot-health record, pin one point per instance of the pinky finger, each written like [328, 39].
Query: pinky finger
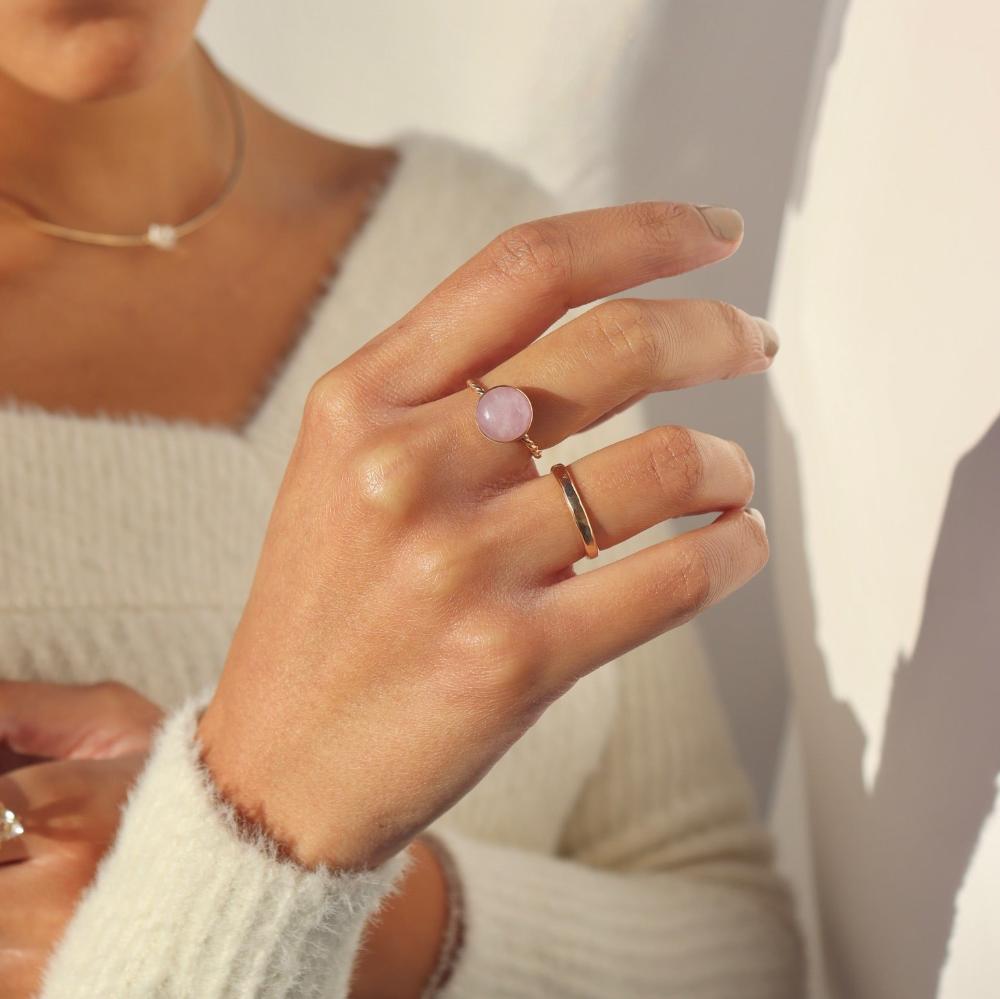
[622, 605]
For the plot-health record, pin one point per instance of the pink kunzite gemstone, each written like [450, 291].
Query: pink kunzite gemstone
[503, 413]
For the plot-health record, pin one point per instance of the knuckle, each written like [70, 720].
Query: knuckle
[711, 567]
[660, 221]
[742, 337]
[387, 479]
[757, 543]
[622, 328]
[330, 403]
[531, 251]
[730, 319]
[746, 473]
[676, 462]
[501, 662]
[438, 570]
[694, 586]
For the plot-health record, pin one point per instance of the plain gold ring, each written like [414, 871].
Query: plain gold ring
[580, 516]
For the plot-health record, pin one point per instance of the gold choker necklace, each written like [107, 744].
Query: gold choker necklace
[162, 236]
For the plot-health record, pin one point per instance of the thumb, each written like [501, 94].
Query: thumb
[69, 721]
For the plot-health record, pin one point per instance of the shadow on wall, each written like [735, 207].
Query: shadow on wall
[719, 96]
[725, 99]
[891, 862]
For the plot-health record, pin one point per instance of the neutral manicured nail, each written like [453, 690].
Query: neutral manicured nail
[771, 339]
[725, 223]
[757, 515]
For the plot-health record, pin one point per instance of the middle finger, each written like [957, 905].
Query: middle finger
[625, 348]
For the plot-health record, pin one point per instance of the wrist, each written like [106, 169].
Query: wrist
[408, 943]
[453, 936]
[255, 773]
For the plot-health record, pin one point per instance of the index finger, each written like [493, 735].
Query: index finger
[525, 279]
[65, 721]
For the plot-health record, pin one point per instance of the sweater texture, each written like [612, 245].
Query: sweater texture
[613, 852]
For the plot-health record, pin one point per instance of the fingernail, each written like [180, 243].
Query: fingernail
[757, 515]
[771, 340]
[725, 223]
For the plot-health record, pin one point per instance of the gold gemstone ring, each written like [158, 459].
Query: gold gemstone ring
[503, 414]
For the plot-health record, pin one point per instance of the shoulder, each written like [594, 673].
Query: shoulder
[458, 196]
[442, 201]
[488, 185]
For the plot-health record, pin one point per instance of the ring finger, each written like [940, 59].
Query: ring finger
[626, 488]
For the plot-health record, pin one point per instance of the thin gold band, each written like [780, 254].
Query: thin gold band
[480, 389]
[580, 516]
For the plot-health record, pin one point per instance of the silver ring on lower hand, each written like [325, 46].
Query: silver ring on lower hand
[11, 827]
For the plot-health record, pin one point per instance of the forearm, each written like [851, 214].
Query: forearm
[185, 904]
[402, 944]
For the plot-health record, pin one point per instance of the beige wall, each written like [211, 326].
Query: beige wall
[886, 458]
[863, 137]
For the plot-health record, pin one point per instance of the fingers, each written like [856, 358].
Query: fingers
[627, 487]
[617, 607]
[93, 721]
[527, 278]
[71, 801]
[625, 348]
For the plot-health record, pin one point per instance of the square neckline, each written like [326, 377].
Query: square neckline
[332, 285]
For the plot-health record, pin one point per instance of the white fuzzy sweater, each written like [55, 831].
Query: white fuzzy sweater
[611, 854]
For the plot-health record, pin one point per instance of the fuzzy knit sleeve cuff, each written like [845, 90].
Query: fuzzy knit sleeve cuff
[184, 904]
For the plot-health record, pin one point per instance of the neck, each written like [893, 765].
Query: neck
[115, 165]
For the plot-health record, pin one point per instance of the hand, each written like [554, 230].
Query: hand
[70, 810]
[100, 734]
[414, 608]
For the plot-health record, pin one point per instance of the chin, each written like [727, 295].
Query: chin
[83, 50]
